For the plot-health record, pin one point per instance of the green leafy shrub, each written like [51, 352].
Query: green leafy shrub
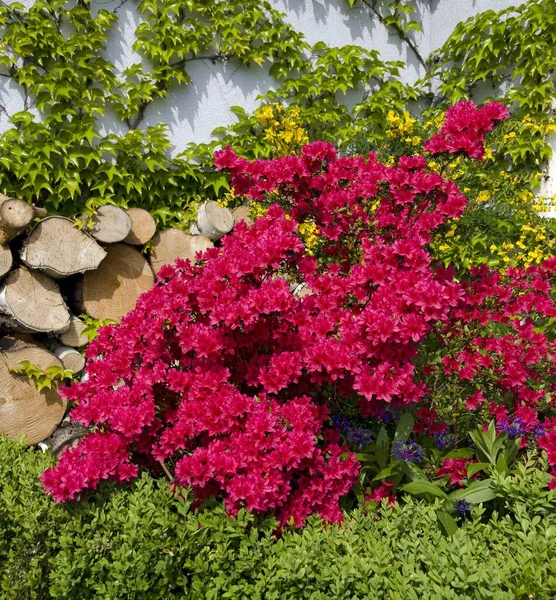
[138, 542]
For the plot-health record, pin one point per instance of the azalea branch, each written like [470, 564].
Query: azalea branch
[166, 471]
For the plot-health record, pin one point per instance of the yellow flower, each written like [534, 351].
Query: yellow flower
[257, 209]
[264, 115]
[309, 231]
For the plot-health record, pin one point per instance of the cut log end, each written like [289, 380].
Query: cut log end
[70, 358]
[143, 227]
[16, 214]
[112, 290]
[110, 224]
[24, 411]
[58, 248]
[174, 243]
[242, 213]
[6, 259]
[74, 336]
[31, 301]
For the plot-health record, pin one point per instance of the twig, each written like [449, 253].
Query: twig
[166, 471]
[403, 35]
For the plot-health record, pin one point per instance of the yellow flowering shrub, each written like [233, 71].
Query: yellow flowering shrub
[309, 234]
[282, 128]
[400, 126]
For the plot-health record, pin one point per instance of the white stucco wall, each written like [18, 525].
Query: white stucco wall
[191, 112]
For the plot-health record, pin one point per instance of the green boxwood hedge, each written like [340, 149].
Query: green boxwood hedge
[138, 542]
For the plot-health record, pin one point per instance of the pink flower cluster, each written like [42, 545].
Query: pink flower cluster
[223, 374]
[506, 352]
[382, 492]
[464, 129]
[456, 470]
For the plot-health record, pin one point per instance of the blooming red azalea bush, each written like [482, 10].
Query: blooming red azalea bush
[465, 127]
[228, 378]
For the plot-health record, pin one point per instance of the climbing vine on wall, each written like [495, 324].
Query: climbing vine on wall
[57, 153]
[60, 153]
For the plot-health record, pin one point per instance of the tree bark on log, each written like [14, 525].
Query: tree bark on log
[143, 227]
[31, 301]
[174, 243]
[56, 247]
[23, 409]
[214, 220]
[112, 290]
[70, 358]
[110, 224]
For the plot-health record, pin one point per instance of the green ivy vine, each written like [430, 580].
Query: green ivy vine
[57, 155]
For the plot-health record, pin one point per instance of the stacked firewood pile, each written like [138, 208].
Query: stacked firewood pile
[51, 271]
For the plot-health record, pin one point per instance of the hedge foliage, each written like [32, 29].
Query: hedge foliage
[138, 542]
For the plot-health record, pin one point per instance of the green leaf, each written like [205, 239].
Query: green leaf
[474, 468]
[478, 491]
[382, 446]
[404, 427]
[390, 470]
[501, 465]
[414, 472]
[424, 487]
[448, 523]
[459, 453]
[512, 448]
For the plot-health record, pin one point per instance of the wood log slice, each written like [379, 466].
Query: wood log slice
[14, 216]
[112, 290]
[110, 224]
[70, 358]
[31, 301]
[242, 213]
[23, 409]
[214, 220]
[74, 336]
[174, 243]
[143, 227]
[56, 247]
[6, 259]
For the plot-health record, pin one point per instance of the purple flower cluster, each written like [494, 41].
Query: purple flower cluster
[407, 451]
[514, 429]
[443, 439]
[356, 435]
[463, 508]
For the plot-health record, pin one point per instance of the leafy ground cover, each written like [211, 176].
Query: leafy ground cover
[141, 542]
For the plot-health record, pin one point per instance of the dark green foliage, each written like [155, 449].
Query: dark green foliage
[54, 53]
[138, 542]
